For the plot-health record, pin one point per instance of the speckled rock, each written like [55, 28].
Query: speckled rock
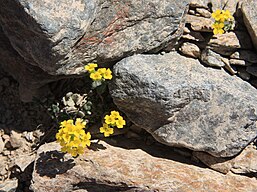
[182, 103]
[230, 5]
[119, 169]
[228, 43]
[249, 9]
[190, 49]
[199, 23]
[211, 58]
[239, 62]
[59, 37]
[244, 163]
[246, 55]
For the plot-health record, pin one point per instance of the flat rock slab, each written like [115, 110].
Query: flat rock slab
[182, 103]
[113, 168]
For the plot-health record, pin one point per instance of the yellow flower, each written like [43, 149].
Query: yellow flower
[80, 123]
[90, 67]
[217, 15]
[109, 119]
[73, 138]
[218, 28]
[96, 76]
[218, 31]
[101, 70]
[106, 130]
[115, 114]
[108, 74]
[120, 122]
[86, 140]
[227, 15]
[66, 123]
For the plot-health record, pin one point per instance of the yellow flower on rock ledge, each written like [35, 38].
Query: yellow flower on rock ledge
[120, 122]
[224, 21]
[90, 67]
[96, 76]
[72, 137]
[108, 74]
[110, 122]
[218, 28]
[109, 119]
[217, 15]
[106, 130]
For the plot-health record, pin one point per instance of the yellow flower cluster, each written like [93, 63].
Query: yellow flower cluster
[72, 137]
[223, 21]
[99, 74]
[111, 121]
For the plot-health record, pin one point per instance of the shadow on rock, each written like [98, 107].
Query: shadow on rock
[97, 146]
[52, 163]
[156, 150]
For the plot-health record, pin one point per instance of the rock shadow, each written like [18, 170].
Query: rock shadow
[95, 146]
[52, 163]
[93, 187]
[156, 149]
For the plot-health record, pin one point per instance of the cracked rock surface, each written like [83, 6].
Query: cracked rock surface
[184, 104]
[55, 38]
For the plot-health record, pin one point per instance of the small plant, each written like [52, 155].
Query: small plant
[224, 21]
[111, 121]
[98, 76]
[75, 113]
[72, 137]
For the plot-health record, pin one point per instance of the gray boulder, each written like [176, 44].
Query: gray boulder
[59, 37]
[183, 104]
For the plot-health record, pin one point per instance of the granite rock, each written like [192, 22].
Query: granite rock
[244, 163]
[190, 49]
[53, 39]
[199, 23]
[182, 103]
[117, 168]
[212, 59]
[246, 55]
[228, 43]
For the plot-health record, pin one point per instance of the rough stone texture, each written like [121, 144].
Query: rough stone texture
[31, 79]
[56, 37]
[190, 49]
[182, 103]
[228, 43]
[203, 12]
[212, 59]
[117, 169]
[193, 35]
[1, 144]
[216, 163]
[199, 23]
[244, 163]
[239, 62]
[10, 185]
[246, 55]
[230, 68]
[230, 5]
[249, 9]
